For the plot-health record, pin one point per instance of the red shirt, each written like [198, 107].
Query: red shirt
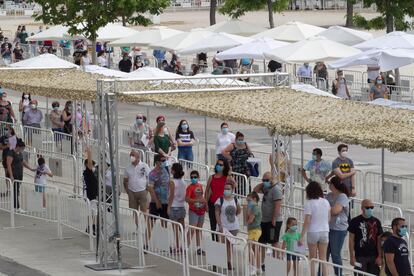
[194, 191]
[217, 188]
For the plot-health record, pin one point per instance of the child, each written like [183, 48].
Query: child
[289, 239]
[40, 178]
[384, 236]
[226, 210]
[254, 217]
[197, 208]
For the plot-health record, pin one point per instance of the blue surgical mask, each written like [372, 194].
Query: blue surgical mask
[267, 184]
[163, 164]
[194, 180]
[227, 193]
[251, 204]
[379, 81]
[225, 130]
[184, 126]
[402, 232]
[219, 168]
[140, 121]
[314, 157]
[240, 142]
[293, 228]
[368, 212]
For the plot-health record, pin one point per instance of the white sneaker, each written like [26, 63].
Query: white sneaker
[21, 211]
[252, 270]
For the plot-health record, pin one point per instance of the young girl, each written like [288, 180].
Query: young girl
[289, 238]
[40, 178]
[254, 217]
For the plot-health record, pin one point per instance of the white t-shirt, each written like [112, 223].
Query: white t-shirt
[40, 177]
[319, 210]
[342, 89]
[102, 61]
[179, 193]
[223, 140]
[137, 177]
[228, 214]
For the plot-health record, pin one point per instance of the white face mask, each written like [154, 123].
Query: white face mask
[26, 96]
[133, 159]
[166, 131]
[344, 154]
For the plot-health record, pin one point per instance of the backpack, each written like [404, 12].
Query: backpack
[222, 200]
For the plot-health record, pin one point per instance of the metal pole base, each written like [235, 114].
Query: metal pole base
[109, 266]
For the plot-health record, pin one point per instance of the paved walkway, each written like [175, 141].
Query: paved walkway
[33, 250]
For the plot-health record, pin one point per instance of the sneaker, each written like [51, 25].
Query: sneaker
[252, 270]
[21, 211]
[229, 266]
[201, 252]
[263, 268]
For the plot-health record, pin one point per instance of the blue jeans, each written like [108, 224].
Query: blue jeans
[185, 153]
[336, 241]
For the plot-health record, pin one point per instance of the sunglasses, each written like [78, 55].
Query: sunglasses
[265, 180]
[404, 226]
[194, 177]
[139, 118]
[369, 207]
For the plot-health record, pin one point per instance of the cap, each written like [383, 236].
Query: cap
[159, 118]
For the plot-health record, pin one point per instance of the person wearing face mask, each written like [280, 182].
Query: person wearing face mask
[396, 250]
[291, 236]
[33, 116]
[238, 153]
[140, 134]
[215, 189]
[197, 209]
[318, 169]
[224, 138]
[6, 109]
[162, 144]
[338, 224]
[254, 218]
[67, 117]
[161, 118]
[125, 64]
[7, 143]
[304, 73]
[343, 167]
[158, 187]
[227, 209]
[24, 104]
[17, 53]
[55, 118]
[135, 182]
[365, 233]
[272, 219]
[185, 141]
[15, 163]
[379, 90]
[339, 86]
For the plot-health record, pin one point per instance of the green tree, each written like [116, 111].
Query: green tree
[85, 17]
[392, 15]
[237, 8]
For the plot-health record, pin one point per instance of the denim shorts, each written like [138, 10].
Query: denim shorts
[177, 213]
[39, 188]
[194, 219]
[291, 257]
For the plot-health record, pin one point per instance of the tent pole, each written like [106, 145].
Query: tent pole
[272, 165]
[205, 140]
[301, 166]
[383, 173]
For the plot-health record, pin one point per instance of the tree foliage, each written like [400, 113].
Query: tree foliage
[238, 8]
[392, 15]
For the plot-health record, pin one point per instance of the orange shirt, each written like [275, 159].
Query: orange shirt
[194, 191]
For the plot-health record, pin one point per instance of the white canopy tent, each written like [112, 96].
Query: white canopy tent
[146, 37]
[392, 104]
[54, 33]
[95, 69]
[45, 61]
[151, 72]
[236, 27]
[291, 32]
[253, 49]
[311, 50]
[386, 59]
[182, 41]
[108, 33]
[215, 42]
[393, 40]
[346, 36]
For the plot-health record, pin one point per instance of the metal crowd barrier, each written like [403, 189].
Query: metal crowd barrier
[202, 169]
[242, 184]
[164, 238]
[6, 198]
[315, 264]
[38, 138]
[75, 213]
